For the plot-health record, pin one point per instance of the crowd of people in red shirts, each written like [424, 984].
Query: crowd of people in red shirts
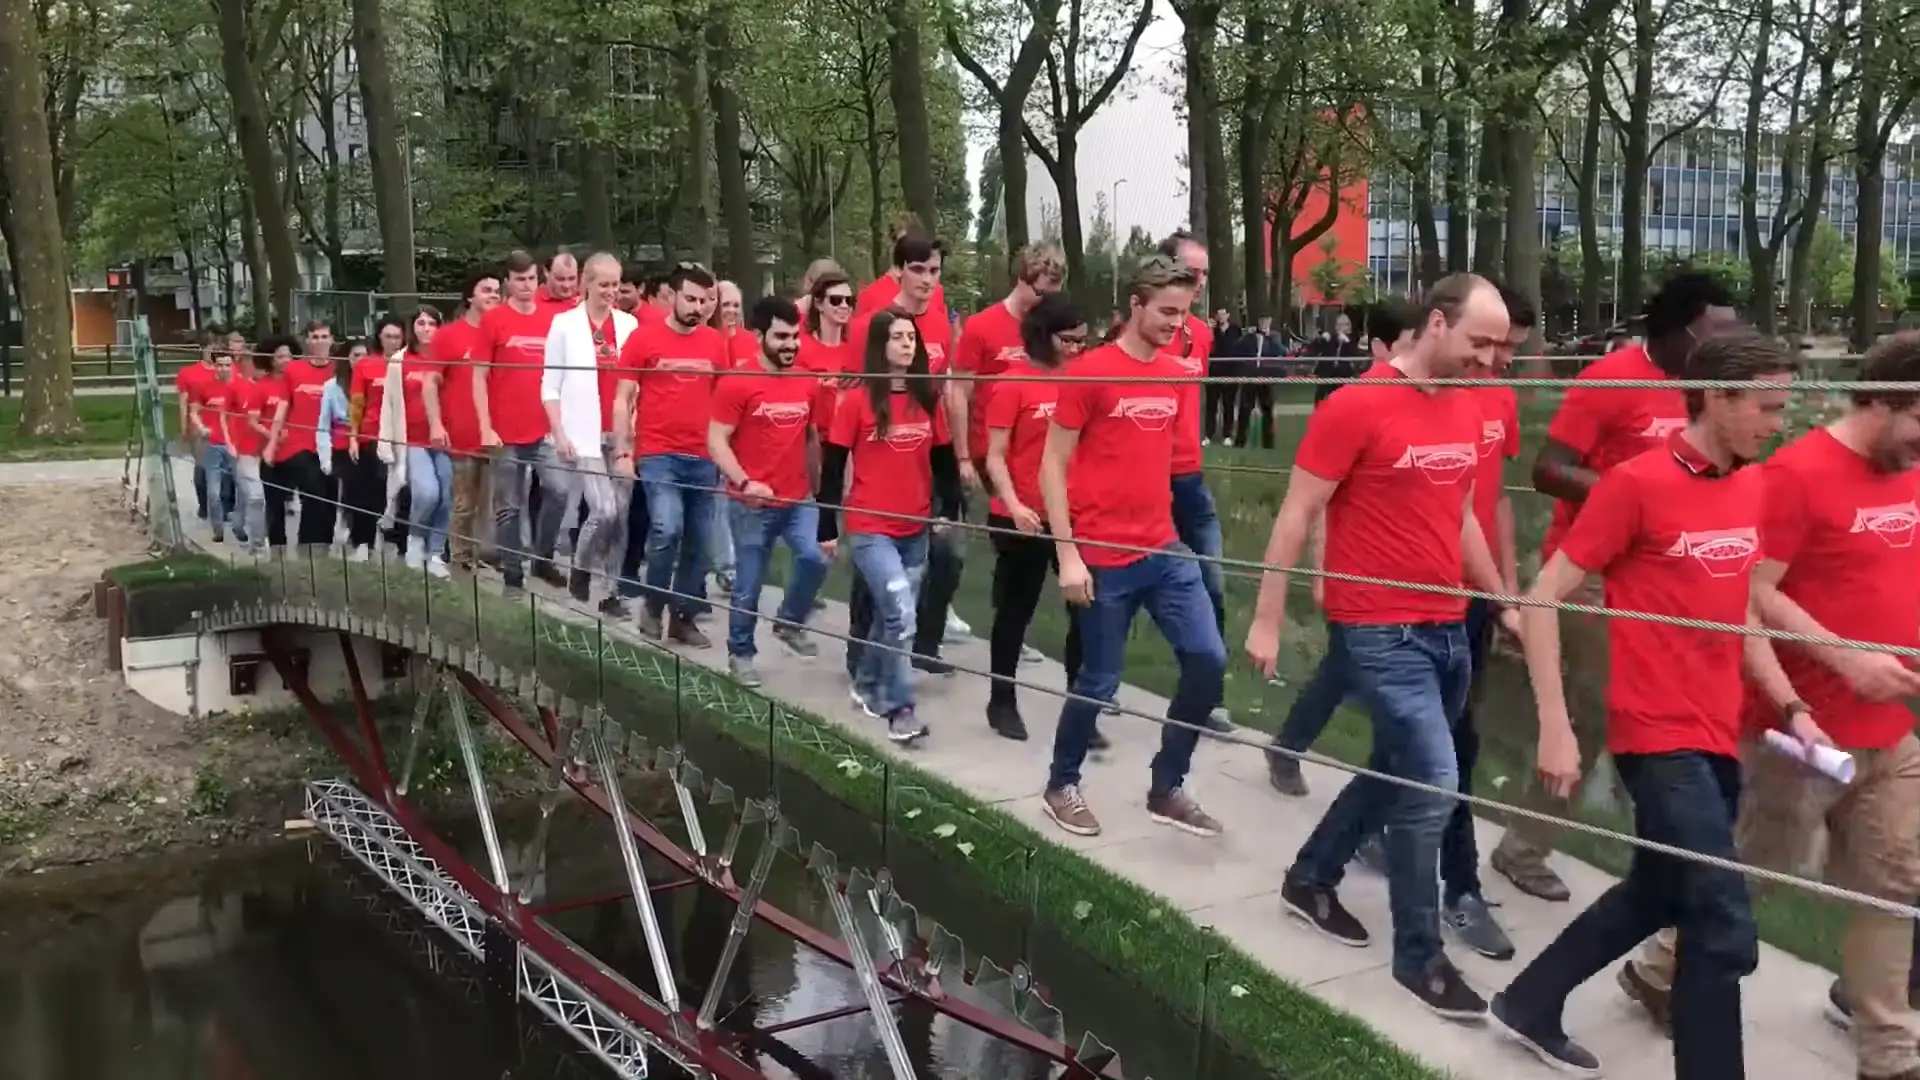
[664, 416]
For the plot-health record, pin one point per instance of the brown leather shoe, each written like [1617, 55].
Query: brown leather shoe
[1657, 1002]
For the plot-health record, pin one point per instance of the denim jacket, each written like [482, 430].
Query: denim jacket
[333, 410]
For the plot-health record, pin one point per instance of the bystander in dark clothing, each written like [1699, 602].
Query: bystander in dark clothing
[1263, 354]
[1221, 400]
[1337, 356]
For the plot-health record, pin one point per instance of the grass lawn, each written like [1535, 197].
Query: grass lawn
[106, 421]
[1247, 486]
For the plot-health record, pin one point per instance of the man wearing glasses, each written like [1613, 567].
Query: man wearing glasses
[1595, 430]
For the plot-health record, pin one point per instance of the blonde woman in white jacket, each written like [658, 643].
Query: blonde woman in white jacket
[581, 343]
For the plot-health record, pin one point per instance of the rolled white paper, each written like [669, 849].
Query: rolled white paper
[1825, 760]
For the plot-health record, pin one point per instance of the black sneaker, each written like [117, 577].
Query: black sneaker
[1839, 1007]
[1322, 910]
[1283, 773]
[1004, 719]
[1098, 742]
[615, 608]
[1560, 1053]
[932, 665]
[1220, 722]
[1441, 989]
[580, 586]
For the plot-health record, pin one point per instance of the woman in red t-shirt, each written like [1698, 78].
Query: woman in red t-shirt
[824, 346]
[894, 434]
[429, 465]
[1018, 416]
[363, 487]
[269, 400]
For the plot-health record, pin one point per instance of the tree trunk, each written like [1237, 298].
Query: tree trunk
[250, 125]
[876, 183]
[696, 179]
[1198, 23]
[1066, 177]
[1523, 220]
[907, 87]
[1869, 173]
[1252, 154]
[35, 247]
[1489, 218]
[389, 148]
[1593, 268]
[1426, 226]
[1636, 157]
[1459, 205]
[259, 283]
[1010, 104]
[736, 204]
[594, 172]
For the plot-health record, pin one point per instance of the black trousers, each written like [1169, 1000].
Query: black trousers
[363, 488]
[1020, 568]
[945, 562]
[1221, 401]
[301, 472]
[638, 523]
[279, 492]
[1254, 397]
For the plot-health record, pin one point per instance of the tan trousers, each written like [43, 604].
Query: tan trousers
[1583, 646]
[1872, 829]
[472, 524]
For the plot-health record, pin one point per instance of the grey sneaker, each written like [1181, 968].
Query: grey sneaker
[797, 640]
[1220, 721]
[1373, 854]
[743, 671]
[1283, 773]
[651, 621]
[904, 727]
[1473, 925]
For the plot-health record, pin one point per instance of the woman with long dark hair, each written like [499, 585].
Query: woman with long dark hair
[894, 434]
[1018, 415]
[429, 465]
[334, 433]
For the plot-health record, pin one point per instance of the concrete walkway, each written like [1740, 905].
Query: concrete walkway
[1232, 883]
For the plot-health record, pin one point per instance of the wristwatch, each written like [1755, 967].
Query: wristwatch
[1793, 709]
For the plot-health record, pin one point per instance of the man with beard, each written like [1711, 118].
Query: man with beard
[761, 439]
[1837, 559]
[1111, 436]
[1391, 459]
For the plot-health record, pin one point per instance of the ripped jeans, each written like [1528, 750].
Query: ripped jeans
[891, 566]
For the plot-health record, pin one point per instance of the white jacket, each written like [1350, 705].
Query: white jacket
[572, 375]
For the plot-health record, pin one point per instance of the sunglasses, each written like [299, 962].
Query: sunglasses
[836, 299]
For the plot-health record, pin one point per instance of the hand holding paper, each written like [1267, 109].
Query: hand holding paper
[1827, 760]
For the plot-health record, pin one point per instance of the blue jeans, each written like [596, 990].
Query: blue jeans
[216, 463]
[891, 566]
[1198, 525]
[754, 531]
[679, 490]
[1323, 696]
[1686, 799]
[430, 489]
[1169, 586]
[1413, 680]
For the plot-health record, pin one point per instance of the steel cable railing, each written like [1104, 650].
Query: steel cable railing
[1759, 873]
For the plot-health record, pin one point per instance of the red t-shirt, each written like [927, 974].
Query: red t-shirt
[1403, 458]
[244, 400]
[1126, 445]
[769, 414]
[514, 346]
[892, 473]
[369, 384]
[1607, 427]
[268, 394]
[1024, 410]
[742, 348]
[886, 289]
[193, 383]
[675, 372]
[545, 300]
[1846, 534]
[649, 314]
[1670, 541]
[415, 371]
[1190, 351]
[454, 347]
[306, 385]
[216, 395]
[936, 333]
[989, 344]
[1499, 441]
[606, 356]
[829, 362]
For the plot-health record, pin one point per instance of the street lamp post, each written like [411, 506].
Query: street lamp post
[1119, 243]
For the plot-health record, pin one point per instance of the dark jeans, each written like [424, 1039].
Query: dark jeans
[1168, 586]
[363, 487]
[1688, 800]
[945, 562]
[679, 492]
[638, 523]
[1020, 568]
[1413, 680]
[279, 490]
[1314, 709]
[301, 472]
[1254, 397]
[1198, 525]
[1221, 401]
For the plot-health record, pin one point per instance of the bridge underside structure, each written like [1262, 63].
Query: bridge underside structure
[593, 717]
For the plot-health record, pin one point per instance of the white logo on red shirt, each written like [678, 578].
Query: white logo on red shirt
[1722, 552]
[1893, 524]
[527, 343]
[906, 436]
[1493, 434]
[1660, 427]
[1011, 354]
[1192, 365]
[936, 354]
[1444, 463]
[1150, 413]
[782, 414]
[1043, 410]
[685, 369]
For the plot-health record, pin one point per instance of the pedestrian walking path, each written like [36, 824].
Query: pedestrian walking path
[1232, 883]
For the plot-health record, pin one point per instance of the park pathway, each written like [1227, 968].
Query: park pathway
[1232, 883]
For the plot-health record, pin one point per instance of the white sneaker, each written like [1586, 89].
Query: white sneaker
[437, 567]
[360, 554]
[1031, 655]
[956, 627]
[415, 560]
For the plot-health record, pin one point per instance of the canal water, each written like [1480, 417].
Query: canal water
[293, 964]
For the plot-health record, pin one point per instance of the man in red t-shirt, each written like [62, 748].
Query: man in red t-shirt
[216, 393]
[561, 291]
[1837, 560]
[990, 344]
[1390, 461]
[1194, 516]
[508, 359]
[1118, 551]
[1673, 532]
[1594, 430]
[295, 458]
[189, 386]
[761, 437]
[454, 349]
[666, 377]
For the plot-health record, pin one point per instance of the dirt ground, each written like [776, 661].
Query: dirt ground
[88, 769]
